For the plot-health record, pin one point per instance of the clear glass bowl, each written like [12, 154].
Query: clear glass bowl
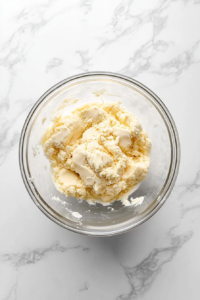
[96, 219]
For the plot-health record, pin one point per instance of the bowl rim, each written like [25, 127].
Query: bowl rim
[173, 176]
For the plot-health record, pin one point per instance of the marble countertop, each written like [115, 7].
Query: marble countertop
[156, 42]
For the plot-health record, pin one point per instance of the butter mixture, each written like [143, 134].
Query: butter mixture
[98, 152]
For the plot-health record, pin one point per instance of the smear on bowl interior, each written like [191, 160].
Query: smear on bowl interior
[97, 153]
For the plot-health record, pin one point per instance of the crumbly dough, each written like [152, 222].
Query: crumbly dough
[98, 152]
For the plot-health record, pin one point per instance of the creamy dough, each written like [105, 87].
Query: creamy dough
[99, 152]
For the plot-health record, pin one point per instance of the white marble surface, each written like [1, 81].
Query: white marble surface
[156, 42]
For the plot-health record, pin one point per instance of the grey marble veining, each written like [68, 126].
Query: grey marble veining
[158, 43]
[21, 259]
[141, 277]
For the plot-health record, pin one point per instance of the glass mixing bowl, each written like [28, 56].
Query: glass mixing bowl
[99, 220]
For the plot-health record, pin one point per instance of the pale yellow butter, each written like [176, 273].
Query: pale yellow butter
[99, 152]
